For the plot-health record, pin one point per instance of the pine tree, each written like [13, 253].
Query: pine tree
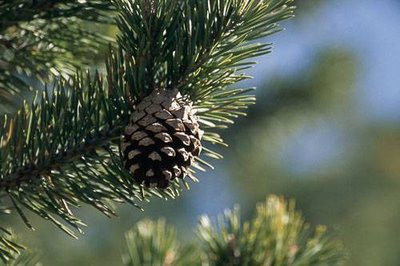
[140, 129]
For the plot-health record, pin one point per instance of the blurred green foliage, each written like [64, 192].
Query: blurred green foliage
[277, 235]
[357, 190]
[155, 243]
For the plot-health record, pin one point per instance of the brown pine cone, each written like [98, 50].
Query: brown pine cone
[161, 140]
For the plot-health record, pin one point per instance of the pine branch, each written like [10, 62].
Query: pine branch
[277, 235]
[62, 149]
[200, 50]
[24, 11]
[41, 38]
[78, 165]
[155, 243]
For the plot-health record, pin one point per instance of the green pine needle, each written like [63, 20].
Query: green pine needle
[9, 249]
[277, 235]
[40, 40]
[152, 243]
[61, 149]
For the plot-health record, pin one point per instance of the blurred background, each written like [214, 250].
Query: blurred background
[325, 131]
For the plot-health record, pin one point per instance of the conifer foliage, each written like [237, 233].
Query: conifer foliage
[63, 148]
[277, 235]
[42, 39]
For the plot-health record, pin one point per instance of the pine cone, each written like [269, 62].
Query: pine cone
[161, 140]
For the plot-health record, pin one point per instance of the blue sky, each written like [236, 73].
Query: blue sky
[370, 30]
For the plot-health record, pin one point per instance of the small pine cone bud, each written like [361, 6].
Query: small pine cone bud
[161, 140]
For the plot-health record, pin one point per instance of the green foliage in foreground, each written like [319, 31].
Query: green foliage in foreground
[156, 243]
[13, 254]
[277, 235]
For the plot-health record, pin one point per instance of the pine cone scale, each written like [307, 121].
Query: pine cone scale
[161, 140]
